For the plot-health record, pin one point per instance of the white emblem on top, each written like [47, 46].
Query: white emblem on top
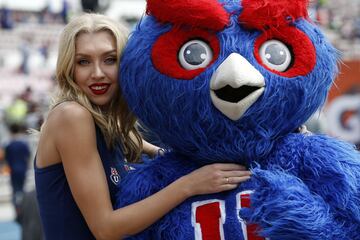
[114, 176]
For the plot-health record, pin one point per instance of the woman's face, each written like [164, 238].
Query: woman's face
[96, 66]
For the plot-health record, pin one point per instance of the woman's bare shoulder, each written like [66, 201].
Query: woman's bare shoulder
[68, 111]
[68, 117]
[60, 126]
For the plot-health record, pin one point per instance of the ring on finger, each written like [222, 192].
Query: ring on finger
[227, 180]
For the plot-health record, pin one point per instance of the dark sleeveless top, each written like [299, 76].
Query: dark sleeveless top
[60, 216]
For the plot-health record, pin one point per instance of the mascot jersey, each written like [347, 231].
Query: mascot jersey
[230, 81]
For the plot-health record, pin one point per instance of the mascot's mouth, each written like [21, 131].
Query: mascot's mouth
[234, 95]
[235, 86]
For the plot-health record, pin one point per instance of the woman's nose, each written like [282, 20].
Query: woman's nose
[97, 71]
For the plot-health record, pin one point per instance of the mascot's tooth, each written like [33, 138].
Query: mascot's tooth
[234, 111]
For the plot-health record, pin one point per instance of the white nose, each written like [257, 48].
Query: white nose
[244, 84]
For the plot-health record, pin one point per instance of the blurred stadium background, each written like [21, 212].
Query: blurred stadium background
[28, 48]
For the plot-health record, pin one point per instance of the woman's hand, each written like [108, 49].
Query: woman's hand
[303, 129]
[214, 178]
[151, 149]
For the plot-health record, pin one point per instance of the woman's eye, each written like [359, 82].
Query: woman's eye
[83, 62]
[110, 60]
[195, 54]
[275, 55]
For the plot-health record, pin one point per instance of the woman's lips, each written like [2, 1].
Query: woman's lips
[99, 88]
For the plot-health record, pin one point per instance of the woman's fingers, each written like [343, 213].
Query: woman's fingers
[216, 178]
[228, 166]
[236, 173]
[233, 182]
[227, 187]
[236, 180]
[235, 177]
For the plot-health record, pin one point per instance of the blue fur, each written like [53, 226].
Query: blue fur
[305, 186]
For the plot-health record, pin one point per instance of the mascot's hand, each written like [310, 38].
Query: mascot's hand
[284, 208]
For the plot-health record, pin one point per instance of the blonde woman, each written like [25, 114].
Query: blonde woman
[88, 134]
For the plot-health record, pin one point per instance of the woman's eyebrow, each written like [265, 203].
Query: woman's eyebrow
[88, 55]
[109, 52]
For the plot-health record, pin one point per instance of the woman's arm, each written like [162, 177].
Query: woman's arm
[76, 144]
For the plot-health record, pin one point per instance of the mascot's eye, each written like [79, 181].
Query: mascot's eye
[275, 55]
[195, 54]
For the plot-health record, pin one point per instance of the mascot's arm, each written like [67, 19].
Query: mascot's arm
[322, 202]
[331, 169]
[284, 208]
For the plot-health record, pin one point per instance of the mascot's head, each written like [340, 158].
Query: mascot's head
[221, 80]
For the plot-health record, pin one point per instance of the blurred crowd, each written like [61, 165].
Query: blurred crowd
[340, 16]
[341, 22]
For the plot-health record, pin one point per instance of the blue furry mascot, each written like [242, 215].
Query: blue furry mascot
[231, 81]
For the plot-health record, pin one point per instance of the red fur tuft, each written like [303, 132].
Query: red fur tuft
[262, 14]
[196, 13]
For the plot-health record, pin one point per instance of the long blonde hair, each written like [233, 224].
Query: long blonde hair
[118, 126]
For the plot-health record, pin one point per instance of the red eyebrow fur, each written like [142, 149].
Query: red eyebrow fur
[262, 14]
[207, 14]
